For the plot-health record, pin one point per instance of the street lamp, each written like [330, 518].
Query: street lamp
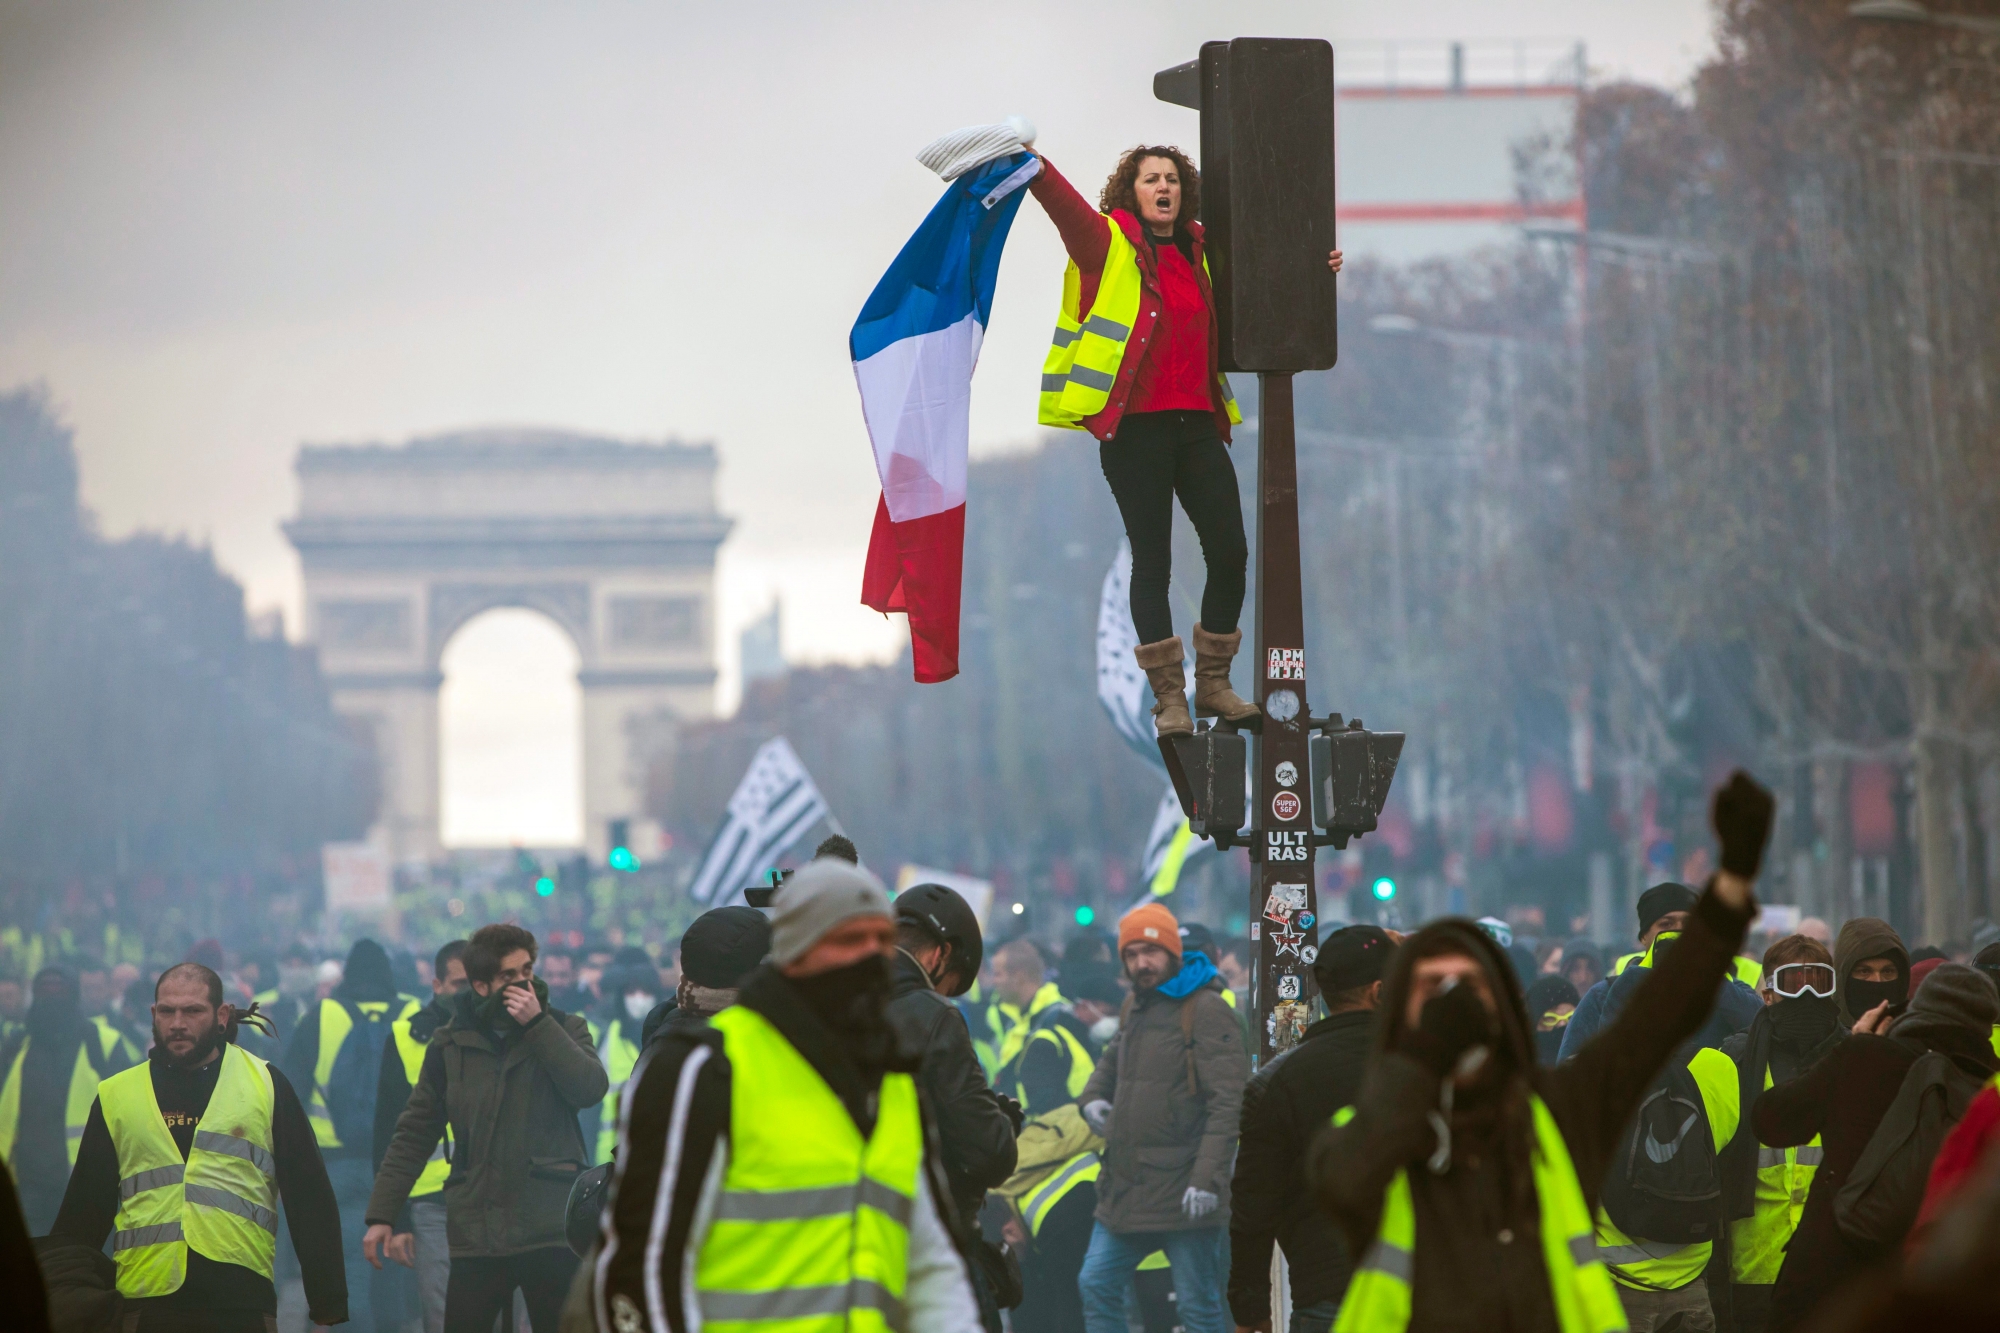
[1910, 11]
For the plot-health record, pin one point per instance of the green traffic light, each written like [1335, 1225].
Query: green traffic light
[1084, 916]
[545, 886]
[621, 858]
[1384, 889]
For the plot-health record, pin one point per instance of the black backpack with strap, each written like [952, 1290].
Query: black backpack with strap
[1665, 1184]
[1879, 1201]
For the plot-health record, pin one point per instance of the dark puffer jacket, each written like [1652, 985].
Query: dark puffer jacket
[1166, 1135]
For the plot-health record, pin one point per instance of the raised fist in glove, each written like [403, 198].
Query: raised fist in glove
[1741, 813]
[1014, 1112]
[1453, 1021]
[1097, 1115]
[1199, 1203]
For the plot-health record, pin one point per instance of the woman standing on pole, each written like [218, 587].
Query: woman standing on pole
[1135, 361]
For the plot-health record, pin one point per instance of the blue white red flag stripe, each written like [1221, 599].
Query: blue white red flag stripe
[914, 348]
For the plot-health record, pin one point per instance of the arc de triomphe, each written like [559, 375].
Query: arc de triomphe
[614, 541]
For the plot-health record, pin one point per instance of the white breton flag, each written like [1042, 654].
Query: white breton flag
[1121, 685]
[773, 807]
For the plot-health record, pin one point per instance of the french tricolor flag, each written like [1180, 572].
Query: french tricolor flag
[914, 348]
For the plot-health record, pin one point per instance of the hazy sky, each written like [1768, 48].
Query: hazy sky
[227, 229]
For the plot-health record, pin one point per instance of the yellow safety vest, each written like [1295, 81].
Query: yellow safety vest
[221, 1200]
[411, 1051]
[1784, 1178]
[334, 1025]
[621, 1057]
[811, 1230]
[1586, 1301]
[1019, 1022]
[1649, 1265]
[83, 1084]
[1078, 1170]
[1746, 970]
[1086, 352]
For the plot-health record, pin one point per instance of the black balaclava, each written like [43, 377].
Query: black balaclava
[850, 1000]
[367, 975]
[55, 1010]
[1862, 938]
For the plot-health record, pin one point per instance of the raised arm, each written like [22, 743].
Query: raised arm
[1085, 232]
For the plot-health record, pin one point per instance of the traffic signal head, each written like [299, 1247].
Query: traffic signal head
[621, 858]
[545, 886]
[1084, 915]
[1384, 889]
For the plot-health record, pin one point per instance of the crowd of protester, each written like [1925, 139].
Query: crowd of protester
[1479, 1132]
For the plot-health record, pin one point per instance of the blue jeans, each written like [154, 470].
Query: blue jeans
[1314, 1318]
[1113, 1257]
[352, 1179]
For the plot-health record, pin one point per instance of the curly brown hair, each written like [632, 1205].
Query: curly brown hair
[1120, 191]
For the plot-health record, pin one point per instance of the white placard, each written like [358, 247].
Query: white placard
[357, 877]
[978, 893]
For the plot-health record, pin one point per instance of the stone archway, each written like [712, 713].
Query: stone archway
[614, 541]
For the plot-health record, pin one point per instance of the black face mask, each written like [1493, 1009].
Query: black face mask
[1865, 995]
[851, 998]
[1803, 1021]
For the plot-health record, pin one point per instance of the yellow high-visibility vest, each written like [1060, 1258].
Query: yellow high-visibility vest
[411, 1051]
[1784, 1178]
[621, 1056]
[1746, 970]
[1585, 1300]
[221, 1201]
[1648, 1265]
[1086, 352]
[334, 1025]
[1078, 1170]
[83, 1084]
[811, 1230]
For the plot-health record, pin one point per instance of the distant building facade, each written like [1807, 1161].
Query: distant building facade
[1431, 138]
[614, 541]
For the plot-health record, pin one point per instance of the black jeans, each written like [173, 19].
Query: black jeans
[1048, 1270]
[482, 1286]
[1154, 457]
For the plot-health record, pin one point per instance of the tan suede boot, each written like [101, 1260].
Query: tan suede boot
[1212, 696]
[1166, 671]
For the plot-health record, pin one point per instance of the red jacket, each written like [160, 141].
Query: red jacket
[1081, 227]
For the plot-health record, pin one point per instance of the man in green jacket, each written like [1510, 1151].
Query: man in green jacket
[509, 1074]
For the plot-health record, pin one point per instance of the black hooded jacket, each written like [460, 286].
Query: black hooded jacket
[1478, 1261]
[366, 978]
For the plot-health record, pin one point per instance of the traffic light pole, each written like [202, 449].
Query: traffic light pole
[1284, 897]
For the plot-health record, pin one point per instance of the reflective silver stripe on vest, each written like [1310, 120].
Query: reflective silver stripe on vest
[1090, 379]
[230, 1146]
[150, 1180]
[1107, 328]
[1812, 1155]
[1627, 1254]
[1583, 1251]
[1050, 1188]
[73, 1132]
[1390, 1260]
[1770, 1157]
[1064, 337]
[1054, 383]
[803, 1303]
[799, 1205]
[222, 1200]
[166, 1233]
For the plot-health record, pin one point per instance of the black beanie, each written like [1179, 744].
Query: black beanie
[1353, 956]
[1661, 899]
[723, 945]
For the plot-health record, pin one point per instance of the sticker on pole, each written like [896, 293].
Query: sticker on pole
[1288, 987]
[1286, 664]
[1285, 806]
[1287, 773]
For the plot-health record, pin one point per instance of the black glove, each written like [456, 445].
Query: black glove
[1451, 1023]
[1013, 1110]
[1741, 813]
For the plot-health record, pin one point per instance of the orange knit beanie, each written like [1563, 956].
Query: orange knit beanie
[1150, 923]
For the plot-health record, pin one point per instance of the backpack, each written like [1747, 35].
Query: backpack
[350, 1087]
[1665, 1184]
[1879, 1201]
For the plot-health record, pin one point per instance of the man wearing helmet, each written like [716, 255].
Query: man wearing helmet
[938, 952]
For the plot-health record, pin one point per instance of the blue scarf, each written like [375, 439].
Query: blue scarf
[1196, 972]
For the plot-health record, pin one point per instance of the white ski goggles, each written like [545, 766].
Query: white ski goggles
[1792, 980]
